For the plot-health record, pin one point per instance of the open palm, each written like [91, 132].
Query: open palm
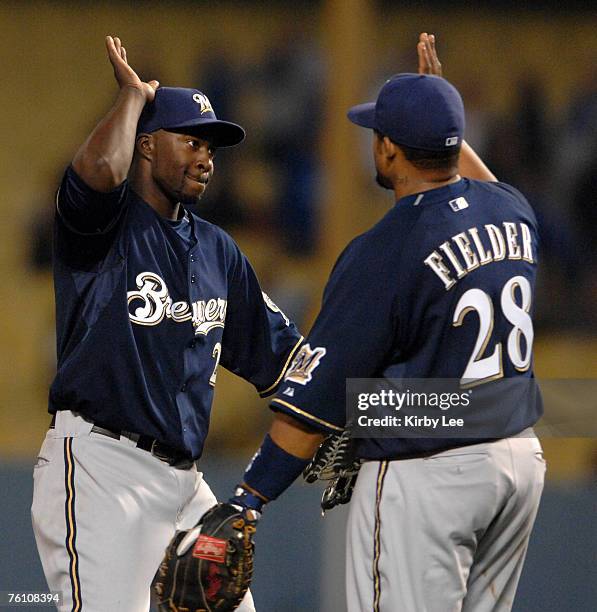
[428, 61]
[124, 74]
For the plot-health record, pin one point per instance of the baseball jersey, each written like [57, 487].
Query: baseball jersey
[146, 310]
[399, 304]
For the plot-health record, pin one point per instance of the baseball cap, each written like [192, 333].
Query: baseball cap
[416, 110]
[179, 108]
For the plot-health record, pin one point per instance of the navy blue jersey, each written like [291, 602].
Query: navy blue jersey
[442, 288]
[146, 310]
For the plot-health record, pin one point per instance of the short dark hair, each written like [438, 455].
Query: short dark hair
[429, 160]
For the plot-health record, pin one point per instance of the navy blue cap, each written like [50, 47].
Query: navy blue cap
[416, 110]
[178, 108]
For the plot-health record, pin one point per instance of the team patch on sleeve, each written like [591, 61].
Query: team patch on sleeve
[306, 360]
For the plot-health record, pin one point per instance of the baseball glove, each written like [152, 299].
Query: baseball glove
[335, 461]
[209, 567]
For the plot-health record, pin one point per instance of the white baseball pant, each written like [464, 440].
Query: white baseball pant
[103, 514]
[446, 533]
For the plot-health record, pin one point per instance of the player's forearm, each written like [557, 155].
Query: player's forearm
[293, 437]
[472, 166]
[104, 159]
[285, 453]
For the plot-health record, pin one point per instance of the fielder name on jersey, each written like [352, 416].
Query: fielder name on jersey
[465, 251]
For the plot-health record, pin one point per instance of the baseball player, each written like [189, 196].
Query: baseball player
[440, 288]
[150, 300]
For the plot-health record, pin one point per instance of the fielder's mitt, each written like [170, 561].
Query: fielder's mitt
[209, 567]
[335, 461]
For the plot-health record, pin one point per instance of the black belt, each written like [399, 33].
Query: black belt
[162, 452]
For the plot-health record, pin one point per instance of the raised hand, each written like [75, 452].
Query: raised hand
[428, 60]
[124, 74]
[470, 164]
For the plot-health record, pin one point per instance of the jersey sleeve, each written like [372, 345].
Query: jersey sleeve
[259, 340]
[351, 338]
[86, 211]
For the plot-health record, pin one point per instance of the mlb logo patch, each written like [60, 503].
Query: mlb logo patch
[210, 549]
[458, 204]
[450, 142]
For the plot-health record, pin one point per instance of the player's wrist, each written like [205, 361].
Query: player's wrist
[248, 500]
[134, 94]
[271, 471]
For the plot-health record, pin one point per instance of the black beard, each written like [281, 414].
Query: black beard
[382, 181]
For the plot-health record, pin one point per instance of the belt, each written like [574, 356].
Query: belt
[162, 452]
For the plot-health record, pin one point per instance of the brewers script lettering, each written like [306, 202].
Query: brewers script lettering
[157, 304]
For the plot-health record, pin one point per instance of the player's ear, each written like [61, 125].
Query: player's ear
[388, 148]
[145, 146]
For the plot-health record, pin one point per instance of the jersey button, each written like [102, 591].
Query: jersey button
[183, 388]
[192, 278]
[192, 344]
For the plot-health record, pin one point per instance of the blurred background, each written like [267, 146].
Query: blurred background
[292, 196]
